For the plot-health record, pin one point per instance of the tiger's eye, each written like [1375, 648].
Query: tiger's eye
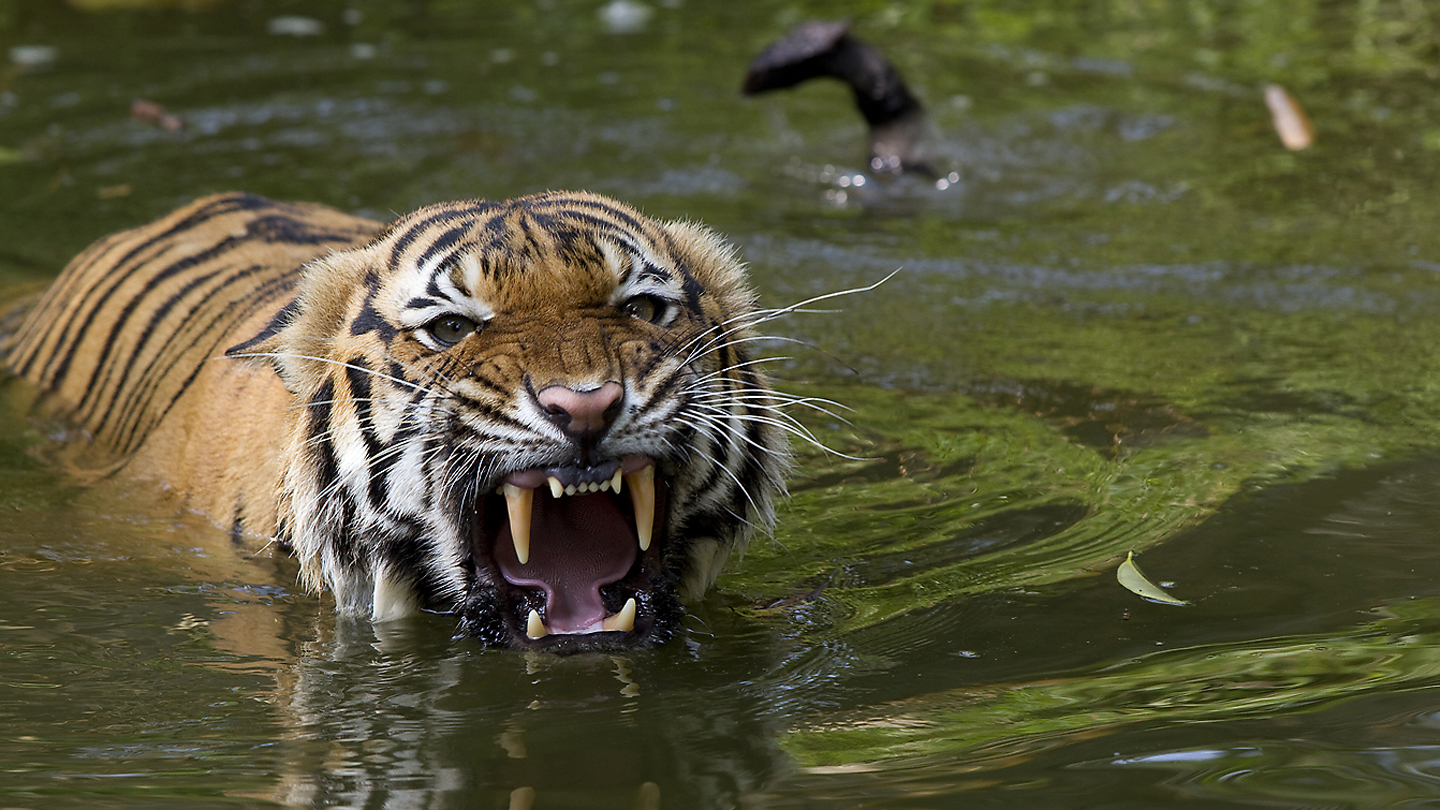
[647, 308]
[450, 329]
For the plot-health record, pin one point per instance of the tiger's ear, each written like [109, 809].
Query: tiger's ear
[294, 341]
[268, 347]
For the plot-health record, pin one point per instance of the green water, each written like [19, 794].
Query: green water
[1131, 322]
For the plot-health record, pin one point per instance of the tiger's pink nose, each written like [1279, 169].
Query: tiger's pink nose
[581, 413]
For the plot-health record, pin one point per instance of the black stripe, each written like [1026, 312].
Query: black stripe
[383, 463]
[443, 242]
[129, 438]
[629, 221]
[369, 319]
[318, 411]
[255, 229]
[104, 368]
[282, 318]
[357, 375]
[147, 335]
[414, 230]
[98, 295]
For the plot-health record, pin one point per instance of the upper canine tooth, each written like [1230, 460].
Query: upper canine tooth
[624, 621]
[615, 482]
[534, 626]
[642, 496]
[556, 488]
[517, 502]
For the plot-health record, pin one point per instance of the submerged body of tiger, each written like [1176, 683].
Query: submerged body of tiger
[539, 414]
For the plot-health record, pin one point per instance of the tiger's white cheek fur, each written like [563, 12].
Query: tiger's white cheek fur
[406, 482]
[351, 455]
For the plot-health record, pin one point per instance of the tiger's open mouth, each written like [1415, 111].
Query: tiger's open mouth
[575, 555]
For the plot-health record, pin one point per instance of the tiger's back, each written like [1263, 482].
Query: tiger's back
[127, 328]
[125, 343]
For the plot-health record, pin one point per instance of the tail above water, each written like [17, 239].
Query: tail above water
[816, 49]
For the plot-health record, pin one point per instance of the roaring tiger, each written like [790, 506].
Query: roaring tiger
[540, 415]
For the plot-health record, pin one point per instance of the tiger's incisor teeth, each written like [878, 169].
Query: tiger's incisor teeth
[622, 622]
[517, 502]
[535, 627]
[556, 488]
[570, 489]
[642, 496]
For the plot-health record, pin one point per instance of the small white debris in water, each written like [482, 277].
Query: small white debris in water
[32, 56]
[292, 26]
[625, 16]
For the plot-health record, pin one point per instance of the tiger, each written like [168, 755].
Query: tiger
[542, 416]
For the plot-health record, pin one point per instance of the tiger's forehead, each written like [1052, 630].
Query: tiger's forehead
[573, 248]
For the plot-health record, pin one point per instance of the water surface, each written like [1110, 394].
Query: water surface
[1130, 320]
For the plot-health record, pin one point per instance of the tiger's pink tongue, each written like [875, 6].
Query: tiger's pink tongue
[578, 544]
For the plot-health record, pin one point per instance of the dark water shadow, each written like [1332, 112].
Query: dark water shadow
[1112, 422]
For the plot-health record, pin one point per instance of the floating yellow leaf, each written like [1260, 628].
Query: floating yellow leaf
[1135, 582]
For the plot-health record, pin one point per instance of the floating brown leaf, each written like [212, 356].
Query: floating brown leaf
[152, 113]
[1291, 123]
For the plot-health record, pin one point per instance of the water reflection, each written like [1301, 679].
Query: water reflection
[406, 720]
[1279, 631]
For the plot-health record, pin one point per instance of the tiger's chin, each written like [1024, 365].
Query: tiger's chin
[572, 559]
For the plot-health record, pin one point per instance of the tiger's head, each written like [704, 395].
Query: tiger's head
[540, 414]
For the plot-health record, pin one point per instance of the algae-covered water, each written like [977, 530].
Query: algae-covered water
[1127, 319]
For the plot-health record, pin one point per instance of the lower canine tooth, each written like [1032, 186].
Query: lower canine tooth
[517, 503]
[534, 626]
[642, 497]
[622, 622]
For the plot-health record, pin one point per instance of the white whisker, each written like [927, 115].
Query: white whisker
[369, 371]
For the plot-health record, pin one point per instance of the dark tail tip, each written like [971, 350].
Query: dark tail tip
[816, 49]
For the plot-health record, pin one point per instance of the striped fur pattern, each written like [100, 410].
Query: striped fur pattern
[380, 399]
